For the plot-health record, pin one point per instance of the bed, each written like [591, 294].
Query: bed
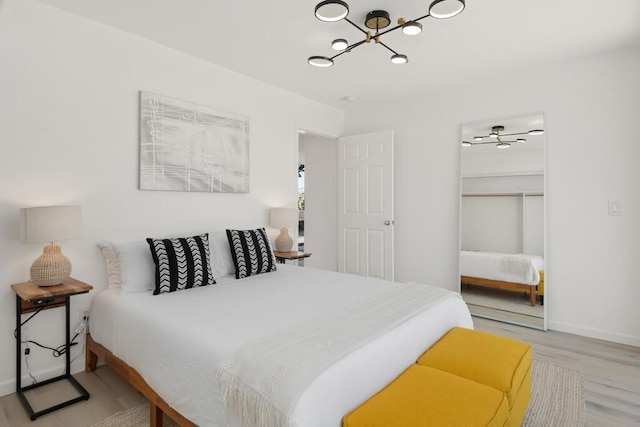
[516, 272]
[174, 346]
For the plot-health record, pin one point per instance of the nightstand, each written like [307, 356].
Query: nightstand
[281, 257]
[32, 298]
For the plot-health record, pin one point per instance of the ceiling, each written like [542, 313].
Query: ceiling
[271, 40]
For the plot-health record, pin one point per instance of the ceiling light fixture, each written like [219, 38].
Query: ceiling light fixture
[331, 11]
[411, 28]
[497, 135]
[339, 44]
[377, 20]
[320, 61]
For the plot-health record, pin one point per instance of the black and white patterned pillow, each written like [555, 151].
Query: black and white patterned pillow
[181, 263]
[251, 252]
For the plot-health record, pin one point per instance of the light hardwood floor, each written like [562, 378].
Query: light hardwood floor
[611, 372]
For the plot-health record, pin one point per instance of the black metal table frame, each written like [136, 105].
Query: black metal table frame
[84, 394]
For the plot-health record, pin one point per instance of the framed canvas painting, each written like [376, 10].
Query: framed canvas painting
[190, 147]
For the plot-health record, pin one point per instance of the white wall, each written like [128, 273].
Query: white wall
[492, 224]
[69, 134]
[501, 162]
[592, 108]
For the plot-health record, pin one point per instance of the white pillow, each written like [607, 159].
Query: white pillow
[130, 264]
[221, 261]
[136, 266]
[114, 276]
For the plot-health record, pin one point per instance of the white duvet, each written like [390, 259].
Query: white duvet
[175, 341]
[495, 266]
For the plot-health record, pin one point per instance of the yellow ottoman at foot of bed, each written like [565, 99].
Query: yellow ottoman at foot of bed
[498, 362]
[423, 396]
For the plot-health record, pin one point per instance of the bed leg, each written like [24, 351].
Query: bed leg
[155, 415]
[532, 296]
[91, 359]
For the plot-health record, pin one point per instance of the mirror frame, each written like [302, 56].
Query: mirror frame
[545, 205]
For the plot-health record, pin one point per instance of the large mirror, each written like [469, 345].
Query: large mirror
[502, 219]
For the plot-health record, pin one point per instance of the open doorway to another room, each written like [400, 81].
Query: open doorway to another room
[318, 199]
[301, 176]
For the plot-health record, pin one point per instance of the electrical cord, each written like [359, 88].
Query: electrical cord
[26, 360]
[61, 350]
[57, 351]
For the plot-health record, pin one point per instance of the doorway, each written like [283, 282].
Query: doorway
[317, 196]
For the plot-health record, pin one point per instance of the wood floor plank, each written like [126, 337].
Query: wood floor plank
[611, 372]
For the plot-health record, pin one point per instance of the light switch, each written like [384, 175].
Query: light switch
[614, 208]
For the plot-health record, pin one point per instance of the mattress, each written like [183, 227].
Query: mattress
[176, 340]
[490, 265]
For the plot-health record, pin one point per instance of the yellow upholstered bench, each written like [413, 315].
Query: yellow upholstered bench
[423, 396]
[498, 362]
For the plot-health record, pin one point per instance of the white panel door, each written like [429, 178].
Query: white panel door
[365, 204]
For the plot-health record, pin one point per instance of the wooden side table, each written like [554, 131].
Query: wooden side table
[31, 298]
[281, 257]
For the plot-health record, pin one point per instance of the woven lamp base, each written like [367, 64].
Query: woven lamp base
[51, 268]
[284, 242]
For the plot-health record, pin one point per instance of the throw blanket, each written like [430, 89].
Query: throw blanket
[519, 265]
[262, 381]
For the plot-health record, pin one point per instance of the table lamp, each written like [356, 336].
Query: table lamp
[50, 224]
[284, 218]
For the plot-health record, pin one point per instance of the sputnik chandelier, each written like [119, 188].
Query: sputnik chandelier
[377, 20]
[497, 138]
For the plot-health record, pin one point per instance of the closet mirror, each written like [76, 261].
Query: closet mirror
[502, 219]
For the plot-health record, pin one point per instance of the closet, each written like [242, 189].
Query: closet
[503, 213]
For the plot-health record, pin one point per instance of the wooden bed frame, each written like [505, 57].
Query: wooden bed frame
[157, 406]
[478, 281]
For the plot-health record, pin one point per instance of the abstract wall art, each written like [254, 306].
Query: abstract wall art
[190, 147]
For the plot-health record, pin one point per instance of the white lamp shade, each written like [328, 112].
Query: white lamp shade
[50, 223]
[284, 217]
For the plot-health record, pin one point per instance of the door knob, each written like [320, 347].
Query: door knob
[387, 222]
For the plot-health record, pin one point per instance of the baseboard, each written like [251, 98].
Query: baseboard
[9, 386]
[594, 333]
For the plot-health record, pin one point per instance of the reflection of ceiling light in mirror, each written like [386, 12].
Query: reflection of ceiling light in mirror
[498, 135]
[466, 144]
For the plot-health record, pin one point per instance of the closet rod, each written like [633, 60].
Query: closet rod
[520, 194]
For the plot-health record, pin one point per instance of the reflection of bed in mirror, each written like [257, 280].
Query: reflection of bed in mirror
[516, 272]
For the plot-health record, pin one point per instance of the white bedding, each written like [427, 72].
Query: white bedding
[176, 340]
[490, 265]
